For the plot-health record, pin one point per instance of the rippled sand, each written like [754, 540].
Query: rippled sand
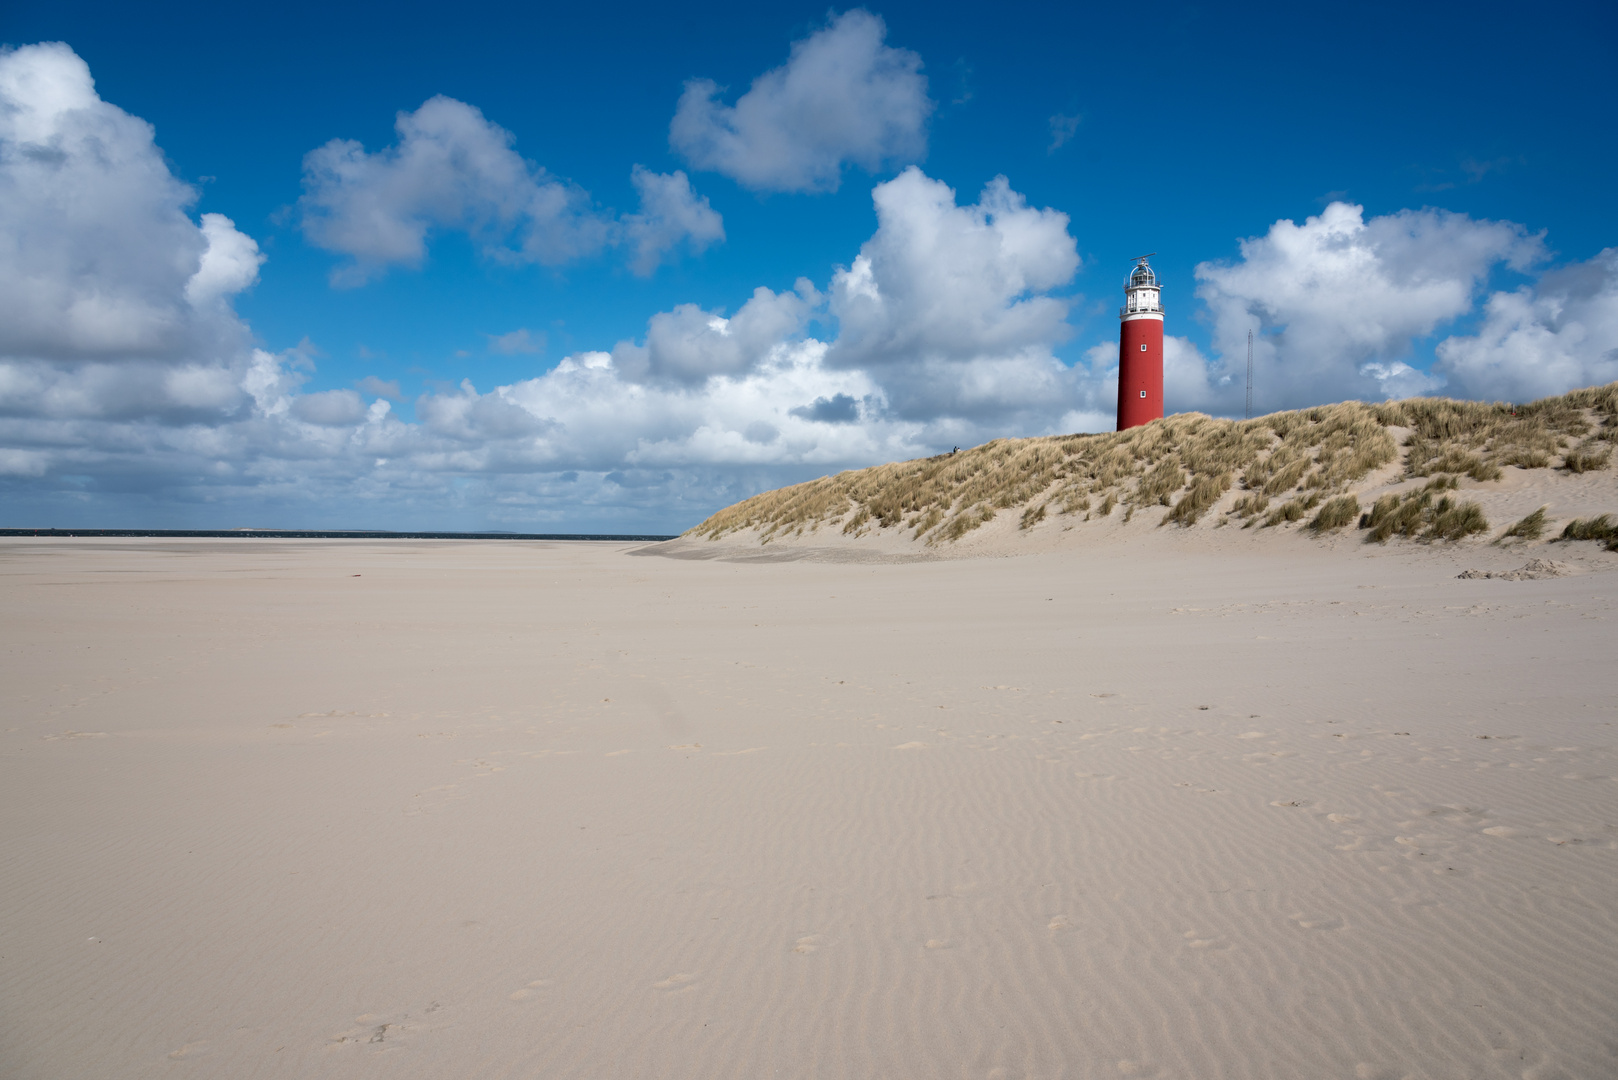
[416, 809]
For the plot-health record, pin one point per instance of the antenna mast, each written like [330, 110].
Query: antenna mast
[1250, 375]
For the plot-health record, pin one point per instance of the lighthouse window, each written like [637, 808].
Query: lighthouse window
[1143, 393]
[1143, 347]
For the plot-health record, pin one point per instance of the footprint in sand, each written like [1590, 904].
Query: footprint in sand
[367, 1031]
[434, 798]
[1316, 922]
[190, 1049]
[529, 991]
[911, 746]
[938, 943]
[675, 984]
[807, 944]
[1212, 944]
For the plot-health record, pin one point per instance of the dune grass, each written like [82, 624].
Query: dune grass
[1452, 520]
[1415, 516]
[1587, 458]
[1283, 466]
[1206, 490]
[1602, 529]
[1292, 510]
[1478, 439]
[1529, 528]
[1335, 514]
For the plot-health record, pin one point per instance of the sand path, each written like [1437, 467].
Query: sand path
[530, 810]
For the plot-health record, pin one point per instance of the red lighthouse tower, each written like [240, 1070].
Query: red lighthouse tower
[1140, 349]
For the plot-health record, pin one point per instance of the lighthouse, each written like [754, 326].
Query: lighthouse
[1140, 348]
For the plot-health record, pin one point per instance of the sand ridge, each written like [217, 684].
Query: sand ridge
[551, 810]
[1423, 469]
[1516, 495]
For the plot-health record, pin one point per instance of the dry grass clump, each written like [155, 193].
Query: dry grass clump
[1249, 505]
[1395, 515]
[1478, 439]
[1529, 528]
[1602, 529]
[1280, 472]
[1323, 448]
[1601, 400]
[1453, 520]
[1188, 463]
[1587, 458]
[1205, 491]
[1293, 510]
[1415, 516]
[1155, 487]
[1335, 514]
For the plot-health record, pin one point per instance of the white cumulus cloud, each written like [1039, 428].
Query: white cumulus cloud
[1553, 336]
[230, 262]
[453, 169]
[843, 96]
[953, 305]
[688, 345]
[450, 169]
[1337, 302]
[329, 408]
[100, 259]
[670, 214]
[114, 304]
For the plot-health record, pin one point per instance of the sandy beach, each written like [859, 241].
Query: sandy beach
[1265, 808]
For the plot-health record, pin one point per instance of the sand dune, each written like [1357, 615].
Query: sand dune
[1275, 809]
[1460, 470]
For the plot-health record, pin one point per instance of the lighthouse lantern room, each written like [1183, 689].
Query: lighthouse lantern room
[1140, 348]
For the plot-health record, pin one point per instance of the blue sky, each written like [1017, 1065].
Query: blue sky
[1424, 194]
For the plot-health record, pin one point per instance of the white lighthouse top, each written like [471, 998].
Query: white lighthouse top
[1145, 295]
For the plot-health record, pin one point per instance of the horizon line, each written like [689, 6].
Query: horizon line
[331, 534]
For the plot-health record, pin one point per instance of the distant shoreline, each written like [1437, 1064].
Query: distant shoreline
[328, 534]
